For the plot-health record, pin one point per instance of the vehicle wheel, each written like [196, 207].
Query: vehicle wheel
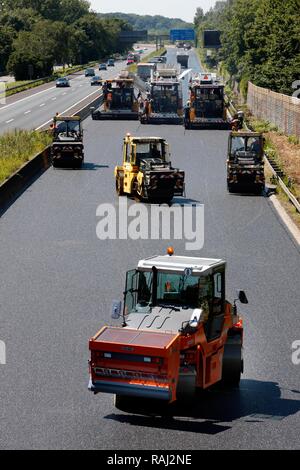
[230, 187]
[233, 364]
[120, 185]
[166, 200]
[122, 402]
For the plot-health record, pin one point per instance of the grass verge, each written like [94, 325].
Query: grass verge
[18, 147]
[285, 151]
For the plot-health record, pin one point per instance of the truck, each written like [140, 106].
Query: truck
[145, 69]
[67, 149]
[245, 162]
[183, 59]
[146, 172]
[119, 100]
[163, 104]
[206, 107]
[175, 323]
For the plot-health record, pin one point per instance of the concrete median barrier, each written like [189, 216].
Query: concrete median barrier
[14, 186]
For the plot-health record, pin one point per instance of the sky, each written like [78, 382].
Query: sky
[184, 9]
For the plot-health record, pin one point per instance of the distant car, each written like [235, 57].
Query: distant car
[62, 82]
[102, 66]
[130, 61]
[96, 80]
[89, 73]
[111, 62]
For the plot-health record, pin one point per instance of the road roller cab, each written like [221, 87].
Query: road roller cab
[67, 148]
[245, 162]
[176, 322]
[146, 172]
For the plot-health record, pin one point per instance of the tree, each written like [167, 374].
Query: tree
[7, 35]
[20, 19]
[199, 16]
[34, 50]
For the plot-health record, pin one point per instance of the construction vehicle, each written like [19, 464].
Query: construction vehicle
[183, 59]
[245, 163]
[206, 107]
[119, 101]
[67, 148]
[163, 104]
[176, 323]
[147, 173]
[144, 70]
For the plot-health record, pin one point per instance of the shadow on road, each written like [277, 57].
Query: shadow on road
[92, 166]
[253, 402]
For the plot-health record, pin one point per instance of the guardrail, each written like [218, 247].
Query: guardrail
[23, 178]
[44, 80]
[276, 173]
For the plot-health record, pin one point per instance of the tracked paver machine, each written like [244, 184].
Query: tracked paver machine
[176, 322]
[146, 172]
[206, 108]
[119, 100]
[67, 149]
[245, 162]
[163, 104]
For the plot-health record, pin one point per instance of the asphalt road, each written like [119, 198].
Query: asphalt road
[58, 282]
[36, 107]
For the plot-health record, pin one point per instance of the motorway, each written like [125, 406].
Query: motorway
[34, 108]
[59, 280]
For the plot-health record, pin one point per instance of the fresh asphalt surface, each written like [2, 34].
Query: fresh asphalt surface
[58, 282]
[36, 107]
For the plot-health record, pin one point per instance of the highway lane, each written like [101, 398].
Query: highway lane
[58, 281]
[35, 108]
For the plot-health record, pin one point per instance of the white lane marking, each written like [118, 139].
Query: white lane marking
[33, 96]
[27, 112]
[292, 227]
[11, 120]
[66, 110]
[53, 99]
[27, 98]
[43, 104]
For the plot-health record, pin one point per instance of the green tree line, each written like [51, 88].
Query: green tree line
[153, 24]
[35, 35]
[260, 40]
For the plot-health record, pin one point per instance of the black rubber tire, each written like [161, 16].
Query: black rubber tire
[233, 365]
[79, 164]
[167, 200]
[122, 402]
[119, 185]
[230, 188]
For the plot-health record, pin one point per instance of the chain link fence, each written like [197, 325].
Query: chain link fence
[276, 108]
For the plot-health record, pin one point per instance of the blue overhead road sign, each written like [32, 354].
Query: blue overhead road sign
[182, 35]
